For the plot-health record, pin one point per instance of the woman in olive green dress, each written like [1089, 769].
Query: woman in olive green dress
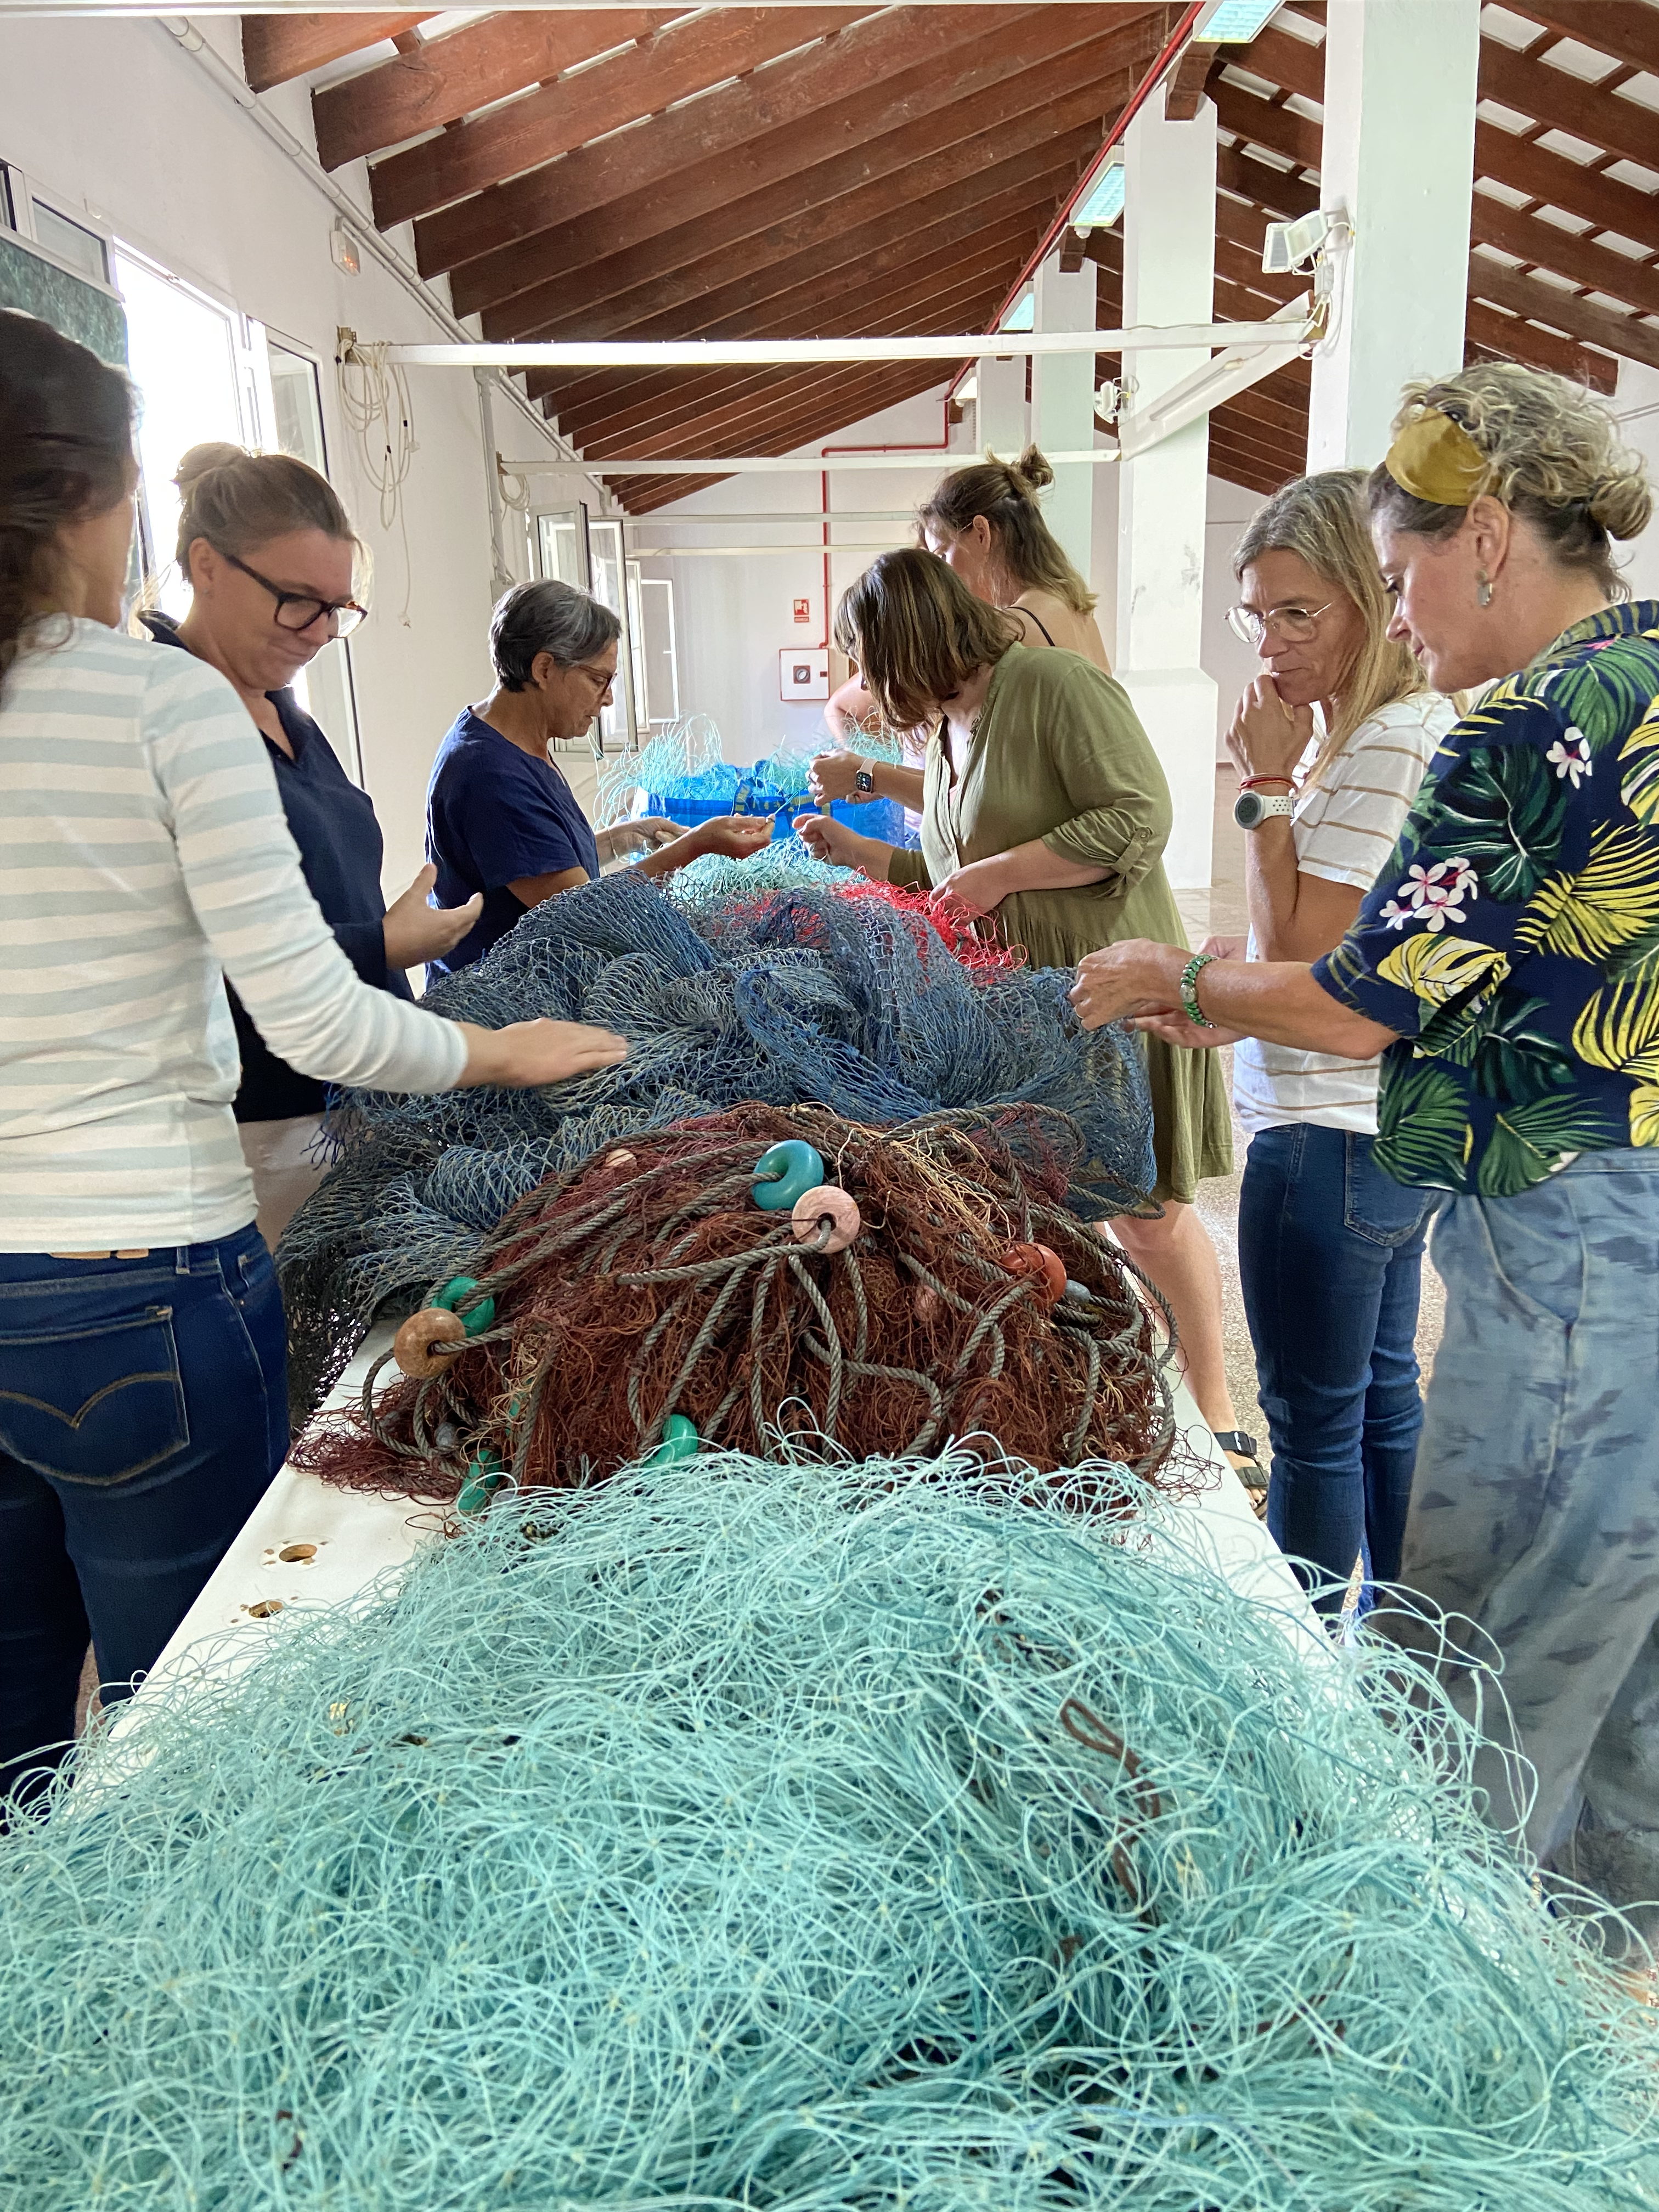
[1044, 804]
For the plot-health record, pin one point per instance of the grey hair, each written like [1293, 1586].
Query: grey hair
[546, 617]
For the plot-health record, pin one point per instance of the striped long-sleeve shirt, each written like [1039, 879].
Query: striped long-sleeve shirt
[143, 856]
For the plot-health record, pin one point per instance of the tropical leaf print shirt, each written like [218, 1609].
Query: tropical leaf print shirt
[1512, 938]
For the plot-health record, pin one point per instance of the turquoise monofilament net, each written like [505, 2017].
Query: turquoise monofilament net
[801, 1839]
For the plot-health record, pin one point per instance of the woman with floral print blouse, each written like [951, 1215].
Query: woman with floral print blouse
[1506, 964]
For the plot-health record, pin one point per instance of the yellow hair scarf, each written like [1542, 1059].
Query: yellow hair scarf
[1435, 458]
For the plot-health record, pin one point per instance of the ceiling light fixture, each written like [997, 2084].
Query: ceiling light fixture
[1102, 203]
[1233, 23]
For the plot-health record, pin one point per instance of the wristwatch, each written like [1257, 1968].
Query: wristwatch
[1251, 809]
[864, 779]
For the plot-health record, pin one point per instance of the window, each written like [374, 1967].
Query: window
[83, 249]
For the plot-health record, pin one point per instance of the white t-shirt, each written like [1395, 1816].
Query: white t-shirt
[1345, 827]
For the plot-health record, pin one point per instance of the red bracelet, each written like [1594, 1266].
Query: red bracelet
[1250, 782]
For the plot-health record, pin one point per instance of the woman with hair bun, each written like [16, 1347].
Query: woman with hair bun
[271, 559]
[984, 522]
[143, 858]
[1506, 965]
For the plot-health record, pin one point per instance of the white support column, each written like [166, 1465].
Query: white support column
[999, 419]
[1398, 156]
[1063, 404]
[1169, 276]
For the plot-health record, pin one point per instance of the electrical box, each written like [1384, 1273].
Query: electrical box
[804, 674]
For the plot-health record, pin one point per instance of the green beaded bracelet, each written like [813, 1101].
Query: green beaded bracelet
[1189, 976]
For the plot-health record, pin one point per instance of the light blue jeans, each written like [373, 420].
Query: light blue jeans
[1535, 1511]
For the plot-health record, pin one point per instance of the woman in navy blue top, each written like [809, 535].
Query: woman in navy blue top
[502, 825]
[268, 554]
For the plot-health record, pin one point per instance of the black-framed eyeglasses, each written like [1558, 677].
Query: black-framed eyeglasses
[298, 611]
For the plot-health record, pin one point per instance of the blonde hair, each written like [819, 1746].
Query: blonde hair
[917, 634]
[1322, 519]
[238, 501]
[1005, 493]
[1553, 457]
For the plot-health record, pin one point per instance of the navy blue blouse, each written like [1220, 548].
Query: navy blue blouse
[332, 823]
[494, 813]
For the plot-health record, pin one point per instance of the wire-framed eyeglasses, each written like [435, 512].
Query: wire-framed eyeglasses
[1295, 625]
[298, 611]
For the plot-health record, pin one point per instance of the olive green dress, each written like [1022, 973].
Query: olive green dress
[1059, 753]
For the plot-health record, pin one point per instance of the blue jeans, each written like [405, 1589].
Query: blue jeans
[1330, 1256]
[1537, 1509]
[143, 1409]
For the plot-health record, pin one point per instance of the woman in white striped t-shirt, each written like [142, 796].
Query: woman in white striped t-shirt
[143, 858]
[1330, 1248]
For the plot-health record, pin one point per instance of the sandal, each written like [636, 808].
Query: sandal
[1238, 1445]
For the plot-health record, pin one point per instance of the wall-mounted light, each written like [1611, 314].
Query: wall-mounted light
[1102, 204]
[1288, 246]
[1233, 23]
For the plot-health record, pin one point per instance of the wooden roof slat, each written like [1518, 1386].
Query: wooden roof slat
[882, 177]
[1627, 29]
[1290, 62]
[557, 118]
[1543, 175]
[463, 70]
[1546, 245]
[821, 106]
[1579, 318]
[1185, 86]
[785, 100]
[1561, 102]
[1286, 195]
[1281, 129]
[1509, 338]
[820, 403]
[278, 48]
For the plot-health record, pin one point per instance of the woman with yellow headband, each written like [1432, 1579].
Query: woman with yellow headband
[1506, 966]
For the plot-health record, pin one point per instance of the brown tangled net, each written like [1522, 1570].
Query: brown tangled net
[647, 1290]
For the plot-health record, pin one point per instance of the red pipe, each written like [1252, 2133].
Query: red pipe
[1138, 99]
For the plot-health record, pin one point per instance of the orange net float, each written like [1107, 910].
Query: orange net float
[905, 1298]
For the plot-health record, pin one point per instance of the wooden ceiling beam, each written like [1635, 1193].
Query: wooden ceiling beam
[1561, 102]
[1236, 466]
[643, 494]
[1546, 245]
[278, 48]
[463, 70]
[819, 404]
[1627, 29]
[877, 181]
[1280, 130]
[1288, 62]
[1568, 312]
[630, 411]
[1528, 167]
[889, 282]
[1506, 338]
[555, 118]
[610, 196]
[1283, 194]
[1236, 426]
[1188, 81]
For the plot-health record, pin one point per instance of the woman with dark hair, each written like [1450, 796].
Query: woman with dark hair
[143, 1396]
[1506, 965]
[502, 825]
[270, 558]
[1045, 805]
[983, 521]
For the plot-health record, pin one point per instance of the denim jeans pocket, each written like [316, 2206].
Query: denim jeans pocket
[1374, 1205]
[99, 1404]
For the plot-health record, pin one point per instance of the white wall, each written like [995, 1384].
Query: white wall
[111, 115]
[1637, 403]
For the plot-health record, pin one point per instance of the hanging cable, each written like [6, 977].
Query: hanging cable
[375, 401]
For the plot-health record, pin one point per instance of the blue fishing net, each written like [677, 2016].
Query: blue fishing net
[797, 997]
[769, 1839]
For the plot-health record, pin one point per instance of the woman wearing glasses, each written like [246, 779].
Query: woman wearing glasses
[504, 830]
[268, 555]
[1330, 1247]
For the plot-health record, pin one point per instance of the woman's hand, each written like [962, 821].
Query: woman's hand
[982, 885]
[736, 835]
[526, 1054]
[416, 933]
[1225, 948]
[1175, 1028]
[646, 834]
[826, 838]
[1135, 977]
[829, 779]
[1267, 737]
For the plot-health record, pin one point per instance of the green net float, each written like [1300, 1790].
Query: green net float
[679, 1440]
[484, 1477]
[797, 1169]
[477, 1318]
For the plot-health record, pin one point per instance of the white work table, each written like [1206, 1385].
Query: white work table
[307, 1544]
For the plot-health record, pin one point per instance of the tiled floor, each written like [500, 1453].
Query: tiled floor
[1220, 912]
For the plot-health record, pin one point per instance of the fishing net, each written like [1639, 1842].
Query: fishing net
[682, 764]
[938, 1291]
[785, 864]
[793, 997]
[752, 1839]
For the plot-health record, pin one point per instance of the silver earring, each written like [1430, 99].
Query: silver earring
[1482, 588]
